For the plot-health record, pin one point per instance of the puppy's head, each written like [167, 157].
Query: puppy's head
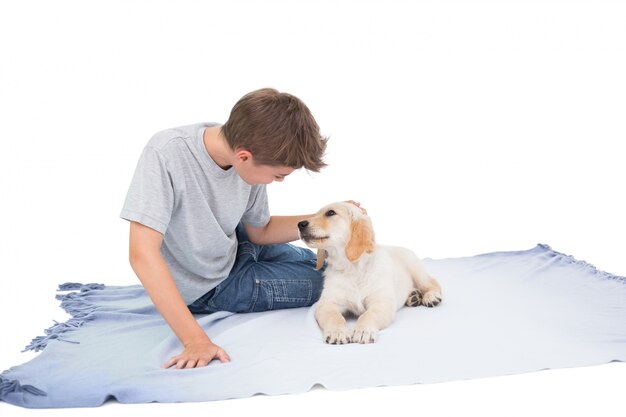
[339, 226]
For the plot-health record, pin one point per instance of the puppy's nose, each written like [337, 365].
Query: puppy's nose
[303, 224]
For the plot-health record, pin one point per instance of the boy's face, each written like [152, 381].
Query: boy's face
[253, 173]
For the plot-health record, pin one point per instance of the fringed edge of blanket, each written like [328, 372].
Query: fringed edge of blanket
[76, 305]
[592, 268]
[8, 386]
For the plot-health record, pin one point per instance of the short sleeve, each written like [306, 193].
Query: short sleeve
[150, 198]
[257, 213]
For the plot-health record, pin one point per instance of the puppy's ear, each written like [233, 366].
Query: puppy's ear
[361, 239]
[321, 257]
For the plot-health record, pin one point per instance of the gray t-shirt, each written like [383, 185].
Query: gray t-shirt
[179, 191]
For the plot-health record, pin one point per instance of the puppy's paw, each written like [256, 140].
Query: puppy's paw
[339, 336]
[431, 299]
[414, 299]
[364, 335]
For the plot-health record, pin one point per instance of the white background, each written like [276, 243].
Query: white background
[463, 128]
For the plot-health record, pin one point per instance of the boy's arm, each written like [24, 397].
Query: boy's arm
[152, 271]
[281, 229]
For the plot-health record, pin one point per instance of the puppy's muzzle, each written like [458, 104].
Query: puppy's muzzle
[303, 225]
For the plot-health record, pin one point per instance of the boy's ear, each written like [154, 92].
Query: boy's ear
[321, 257]
[361, 239]
[243, 155]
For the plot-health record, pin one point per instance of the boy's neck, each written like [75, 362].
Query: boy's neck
[217, 147]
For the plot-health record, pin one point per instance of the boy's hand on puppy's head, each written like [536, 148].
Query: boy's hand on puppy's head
[356, 203]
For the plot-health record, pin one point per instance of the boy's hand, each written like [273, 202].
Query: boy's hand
[356, 203]
[197, 355]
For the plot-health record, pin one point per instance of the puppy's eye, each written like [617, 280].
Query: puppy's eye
[330, 213]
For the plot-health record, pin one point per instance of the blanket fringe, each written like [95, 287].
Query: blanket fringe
[8, 386]
[75, 304]
[592, 268]
[73, 286]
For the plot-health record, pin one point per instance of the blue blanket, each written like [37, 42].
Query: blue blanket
[503, 313]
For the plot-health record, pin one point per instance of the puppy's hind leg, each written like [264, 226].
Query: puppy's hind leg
[431, 296]
[414, 299]
[427, 291]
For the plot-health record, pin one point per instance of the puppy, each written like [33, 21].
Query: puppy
[368, 280]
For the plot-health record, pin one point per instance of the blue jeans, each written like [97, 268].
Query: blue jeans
[264, 277]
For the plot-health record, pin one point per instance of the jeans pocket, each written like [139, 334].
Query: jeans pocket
[274, 294]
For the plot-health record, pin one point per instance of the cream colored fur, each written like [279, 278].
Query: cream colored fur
[368, 280]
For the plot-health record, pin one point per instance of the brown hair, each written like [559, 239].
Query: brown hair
[277, 128]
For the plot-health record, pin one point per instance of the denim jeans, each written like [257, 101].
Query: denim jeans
[264, 277]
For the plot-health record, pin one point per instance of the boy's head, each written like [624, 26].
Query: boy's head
[277, 129]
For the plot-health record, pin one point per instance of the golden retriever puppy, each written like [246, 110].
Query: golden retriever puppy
[368, 280]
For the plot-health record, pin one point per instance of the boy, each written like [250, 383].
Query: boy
[201, 236]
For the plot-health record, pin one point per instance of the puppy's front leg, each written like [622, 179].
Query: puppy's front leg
[332, 323]
[377, 316]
